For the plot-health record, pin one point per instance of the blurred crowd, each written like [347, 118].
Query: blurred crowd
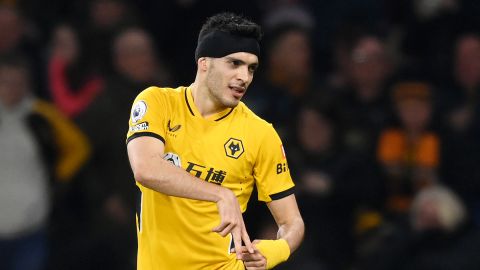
[376, 102]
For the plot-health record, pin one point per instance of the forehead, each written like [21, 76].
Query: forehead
[410, 102]
[248, 58]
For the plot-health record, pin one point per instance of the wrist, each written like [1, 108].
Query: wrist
[275, 251]
[223, 194]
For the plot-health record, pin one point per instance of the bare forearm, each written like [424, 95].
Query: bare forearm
[170, 180]
[290, 223]
[153, 172]
[292, 232]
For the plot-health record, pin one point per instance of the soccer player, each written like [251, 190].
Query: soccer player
[196, 152]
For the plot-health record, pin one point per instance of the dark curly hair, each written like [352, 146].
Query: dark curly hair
[233, 24]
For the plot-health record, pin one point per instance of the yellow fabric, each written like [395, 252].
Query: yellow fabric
[275, 251]
[175, 233]
[73, 146]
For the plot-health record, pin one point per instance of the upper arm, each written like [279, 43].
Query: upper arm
[271, 171]
[141, 151]
[146, 133]
[284, 210]
[148, 115]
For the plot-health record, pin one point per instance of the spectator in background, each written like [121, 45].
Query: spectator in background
[71, 90]
[363, 106]
[463, 92]
[460, 110]
[106, 18]
[11, 30]
[329, 181]
[427, 30]
[137, 66]
[17, 37]
[409, 154]
[287, 78]
[363, 110]
[38, 145]
[439, 235]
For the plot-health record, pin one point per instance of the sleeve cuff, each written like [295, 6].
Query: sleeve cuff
[141, 134]
[282, 194]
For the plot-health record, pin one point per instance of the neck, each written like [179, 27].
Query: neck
[204, 102]
[414, 134]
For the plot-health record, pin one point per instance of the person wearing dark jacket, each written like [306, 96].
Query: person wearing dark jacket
[39, 147]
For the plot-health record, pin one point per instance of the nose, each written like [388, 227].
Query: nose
[243, 74]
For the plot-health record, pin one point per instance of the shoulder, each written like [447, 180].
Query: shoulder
[154, 92]
[259, 128]
[47, 110]
[42, 119]
[159, 99]
[253, 121]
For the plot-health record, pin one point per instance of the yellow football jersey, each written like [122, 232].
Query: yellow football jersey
[234, 149]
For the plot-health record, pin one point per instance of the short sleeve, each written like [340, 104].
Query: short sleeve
[271, 171]
[148, 114]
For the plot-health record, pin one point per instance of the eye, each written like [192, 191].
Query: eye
[236, 63]
[252, 69]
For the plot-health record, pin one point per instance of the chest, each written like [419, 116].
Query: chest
[17, 142]
[218, 152]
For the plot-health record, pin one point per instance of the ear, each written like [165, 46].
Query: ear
[202, 64]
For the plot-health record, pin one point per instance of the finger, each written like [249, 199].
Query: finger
[220, 227]
[241, 249]
[246, 240]
[254, 264]
[248, 257]
[226, 230]
[254, 268]
[237, 240]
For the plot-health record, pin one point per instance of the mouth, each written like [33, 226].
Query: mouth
[238, 91]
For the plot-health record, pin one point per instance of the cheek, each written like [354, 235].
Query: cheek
[214, 81]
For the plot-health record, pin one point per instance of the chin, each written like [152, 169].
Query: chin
[231, 103]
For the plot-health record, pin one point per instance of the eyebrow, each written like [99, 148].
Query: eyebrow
[229, 58]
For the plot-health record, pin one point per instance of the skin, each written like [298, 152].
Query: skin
[290, 227]
[134, 56]
[220, 84]
[13, 86]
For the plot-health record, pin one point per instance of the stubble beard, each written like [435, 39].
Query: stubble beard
[218, 92]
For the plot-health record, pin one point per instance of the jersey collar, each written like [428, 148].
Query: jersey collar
[192, 108]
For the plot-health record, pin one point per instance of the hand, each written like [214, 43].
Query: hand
[232, 221]
[253, 261]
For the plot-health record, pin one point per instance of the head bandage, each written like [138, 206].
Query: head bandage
[218, 44]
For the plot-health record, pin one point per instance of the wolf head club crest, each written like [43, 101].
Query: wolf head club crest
[233, 148]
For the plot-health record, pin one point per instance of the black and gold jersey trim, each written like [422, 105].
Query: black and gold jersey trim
[282, 194]
[141, 134]
[225, 115]
[188, 104]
